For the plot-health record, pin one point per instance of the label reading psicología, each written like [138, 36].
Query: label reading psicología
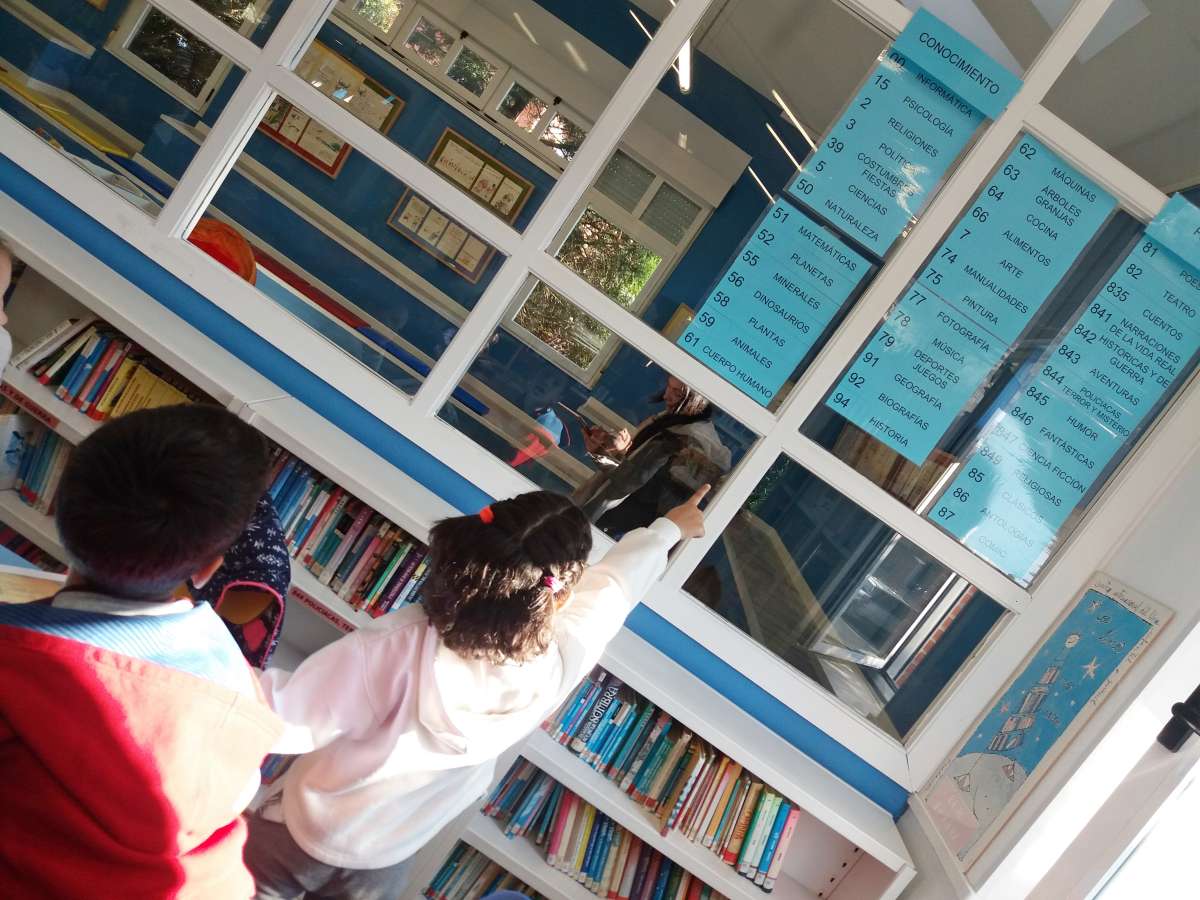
[972, 301]
[1093, 390]
[786, 283]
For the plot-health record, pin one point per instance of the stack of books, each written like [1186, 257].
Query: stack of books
[679, 779]
[584, 844]
[28, 550]
[468, 874]
[93, 367]
[367, 560]
[42, 460]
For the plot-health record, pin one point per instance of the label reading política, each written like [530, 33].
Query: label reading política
[786, 283]
[971, 302]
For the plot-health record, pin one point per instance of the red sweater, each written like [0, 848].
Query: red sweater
[120, 777]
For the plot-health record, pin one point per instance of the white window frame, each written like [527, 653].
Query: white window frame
[1120, 505]
[128, 27]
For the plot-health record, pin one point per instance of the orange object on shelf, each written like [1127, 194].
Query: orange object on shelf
[226, 245]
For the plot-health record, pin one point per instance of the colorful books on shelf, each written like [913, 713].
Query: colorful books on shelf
[103, 374]
[43, 456]
[686, 784]
[26, 549]
[584, 844]
[468, 874]
[365, 559]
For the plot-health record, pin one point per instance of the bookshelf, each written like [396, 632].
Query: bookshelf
[68, 280]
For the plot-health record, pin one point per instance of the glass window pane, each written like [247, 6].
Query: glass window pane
[522, 106]
[472, 71]
[842, 598]
[563, 136]
[624, 180]
[573, 408]
[106, 88]
[429, 42]
[1132, 88]
[369, 264]
[608, 258]
[380, 13]
[670, 213]
[1019, 367]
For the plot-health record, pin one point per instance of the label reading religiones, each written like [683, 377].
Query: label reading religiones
[785, 285]
[900, 133]
[1094, 389]
[971, 302]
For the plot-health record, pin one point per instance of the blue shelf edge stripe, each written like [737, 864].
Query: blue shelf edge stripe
[444, 481]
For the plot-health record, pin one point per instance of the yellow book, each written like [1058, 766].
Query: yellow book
[112, 393]
[135, 390]
[589, 820]
[731, 778]
[163, 393]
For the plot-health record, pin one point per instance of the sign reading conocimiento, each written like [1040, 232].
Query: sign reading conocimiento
[980, 290]
[1092, 390]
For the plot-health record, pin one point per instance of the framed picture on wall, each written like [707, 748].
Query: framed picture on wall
[1038, 713]
[486, 179]
[338, 79]
[447, 241]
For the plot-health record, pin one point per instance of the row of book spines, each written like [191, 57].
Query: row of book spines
[40, 469]
[28, 550]
[468, 874]
[364, 558]
[686, 783]
[585, 844]
[103, 374]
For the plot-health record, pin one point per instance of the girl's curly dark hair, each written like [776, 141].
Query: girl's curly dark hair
[487, 593]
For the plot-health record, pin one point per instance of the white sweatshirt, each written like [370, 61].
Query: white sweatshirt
[404, 732]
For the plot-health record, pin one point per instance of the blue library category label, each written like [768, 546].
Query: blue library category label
[1177, 227]
[885, 155]
[975, 297]
[957, 63]
[1093, 390]
[785, 284]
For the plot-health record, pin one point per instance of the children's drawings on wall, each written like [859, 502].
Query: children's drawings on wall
[1037, 714]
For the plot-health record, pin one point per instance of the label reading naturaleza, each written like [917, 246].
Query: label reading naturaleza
[886, 153]
[786, 283]
[971, 302]
[1094, 388]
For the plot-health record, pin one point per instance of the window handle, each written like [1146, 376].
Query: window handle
[1184, 722]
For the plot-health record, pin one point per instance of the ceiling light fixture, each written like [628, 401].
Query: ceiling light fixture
[782, 145]
[754, 175]
[792, 118]
[683, 64]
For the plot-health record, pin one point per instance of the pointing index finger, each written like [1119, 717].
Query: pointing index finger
[700, 494]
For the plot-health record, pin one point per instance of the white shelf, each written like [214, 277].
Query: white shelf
[40, 402]
[133, 312]
[36, 526]
[522, 858]
[362, 472]
[575, 775]
[738, 734]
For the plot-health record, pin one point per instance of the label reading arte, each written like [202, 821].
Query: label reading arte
[785, 284]
[972, 300]
[1092, 391]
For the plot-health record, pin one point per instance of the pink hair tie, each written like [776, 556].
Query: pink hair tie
[553, 583]
[486, 515]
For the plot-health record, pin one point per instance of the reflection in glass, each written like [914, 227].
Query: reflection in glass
[562, 326]
[563, 136]
[843, 598]
[429, 42]
[472, 71]
[171, 49]
[523, 106]
[380, 13]
[608, 258]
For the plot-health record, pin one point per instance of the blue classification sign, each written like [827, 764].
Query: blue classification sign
[785, 285]
[900, 133]
[1093, 390]
[972, 300]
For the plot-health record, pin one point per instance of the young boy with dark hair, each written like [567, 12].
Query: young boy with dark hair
[131, 728]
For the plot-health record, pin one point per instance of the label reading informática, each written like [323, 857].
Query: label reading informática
[977, 294]
[900, 133]
[786, 283]
[1095, 388]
